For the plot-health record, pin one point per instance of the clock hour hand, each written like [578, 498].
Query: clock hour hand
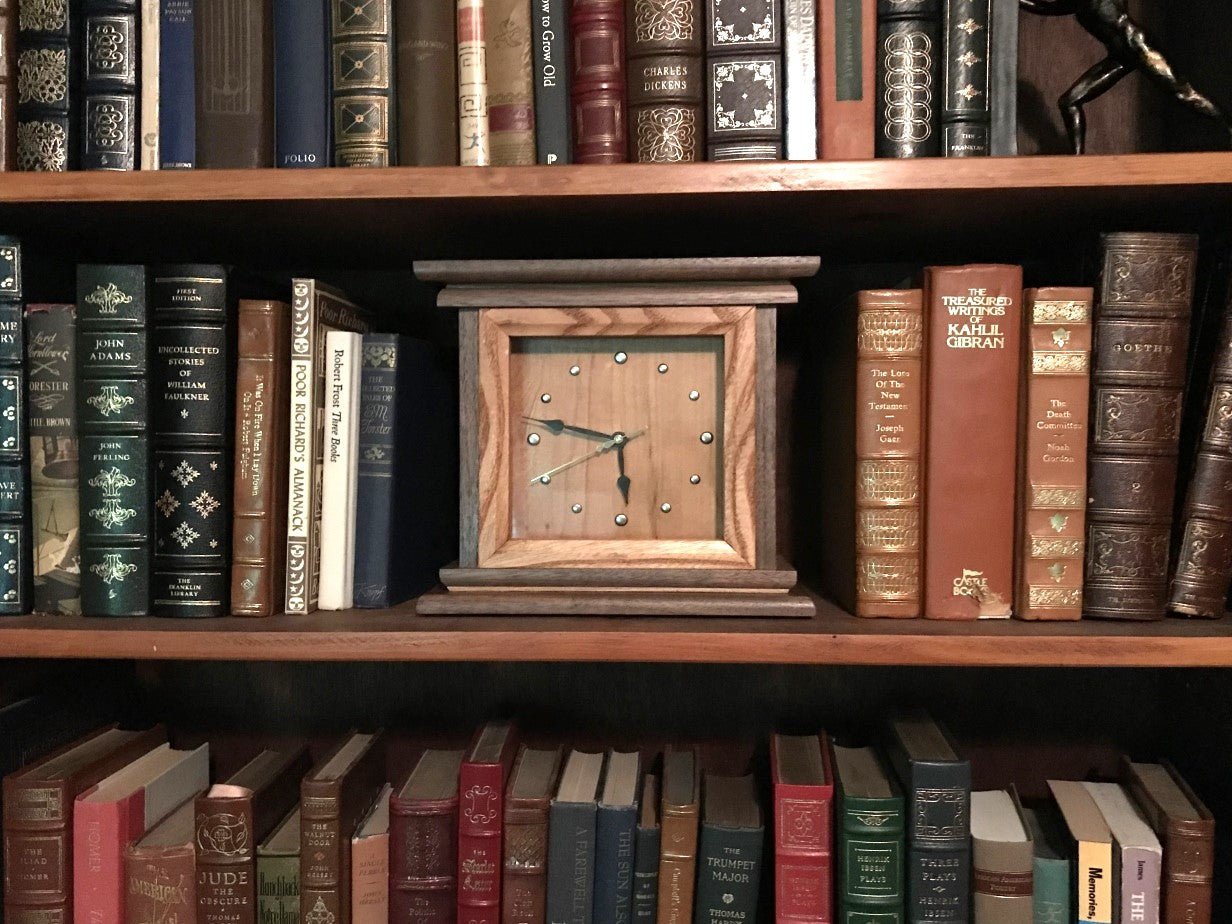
[557, 427]
[622, 482]
[617, 439]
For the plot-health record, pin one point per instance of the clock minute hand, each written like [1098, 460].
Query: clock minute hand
[557, 427]
[617, 439]
[622, 481]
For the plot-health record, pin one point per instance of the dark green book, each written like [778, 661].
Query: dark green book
[869, 815]
[729, 851]
[1051, 869]
[278, 874]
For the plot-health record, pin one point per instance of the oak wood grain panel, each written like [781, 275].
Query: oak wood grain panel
[663, 294]
[605, 321]
[598, 553]
[767, 436]
[701, 269]
[468, 439]
[493, 430]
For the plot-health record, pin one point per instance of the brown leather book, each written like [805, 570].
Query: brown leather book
[234, 48]
[1053, 480]
[973, 362]
[678, 817]
[38, 820]
[231, 819]
[527, 801]
[1186, 829]
[597, 34]
[427, 97]
[846, 79]
[889, 406]
[262, 406]
[334, 796]
[663, 42]
[8, 84]
[160, 872]
[1204, 556]
[511, 93]
[423, 841]
[1137, 374]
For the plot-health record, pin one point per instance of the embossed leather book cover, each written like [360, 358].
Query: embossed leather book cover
[427, 63]
[679, 810]
[869, 830]
[1142, 318]
[803, 782]
[423, 841]
[744, 80]
[846, 79]
[663, 43]
[160, 871]
[1053, 479]
[38, 820]
[1203, 568]
[303, 91]
[482, 779]
[192, 379]
[511, 88]
[553, 75]
[527, 800]
[234, 56]
[16, 557]
[51, 350]
[973, 371]
[262, 404]
[729, 852]
[8, 85]
[177, 82]
[1002, 859]
[47, 67]
[909, 55]
[600, 117]
[363, 74]
[231, 819]
[968, 50]
[110, 52]
[113, 412]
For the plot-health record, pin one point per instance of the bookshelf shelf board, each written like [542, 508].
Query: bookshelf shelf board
[832, 638]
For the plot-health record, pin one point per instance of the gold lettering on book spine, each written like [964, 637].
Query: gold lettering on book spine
[1050, 312]
[1049, 362]
[888, 577]
[1051, 496]
[893, 530]
[1043, 595]
[887, 482]
[1052, 547]
[890, 332]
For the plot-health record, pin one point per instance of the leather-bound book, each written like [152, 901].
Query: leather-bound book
[262, 403]
[1187, 829]
[278, 873]
[511, 89]
[427, 78]
[1137, 854]
[1053, 474]
[968, 50]
[192, 381]
[801, 55]
[600, 117]
[1090, 841]
[888, 436]
[1138, 370]
[17, 560]
[1002, 860]
[8, 84]
[663, 44]
[803, 820]
[303, 92]
[234, 56]
[482, 779]
[729, 853]
[48, 46]
[552, 76]
[678, 819]
[1003, 79]
[334, 796]
[909, 52]
[615, 835]
[474, 142]
[231, 819]
[160, 871]
[870, 833]
[1204, 555]
[646, 854]
[846, 79]
[370, 863]
[524, 882]
[937, 782]
[177, 82]
[38, 820]
[744, 80]
[973, 330]
[423, 841]
[571, 839]
[110, 51]
[113, 411]
[364, 89]
[51, 351]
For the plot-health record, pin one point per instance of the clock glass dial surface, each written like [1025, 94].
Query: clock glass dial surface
[616, 437]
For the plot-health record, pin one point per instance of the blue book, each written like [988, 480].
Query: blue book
[177, 100]
[16, 560]
[571, 840]
[615, 838]
[303, 93]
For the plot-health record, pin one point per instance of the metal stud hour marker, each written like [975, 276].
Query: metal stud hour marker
[707, 437]
[545, 479]
[662, 368]
[621, 356]
[694, 395]
[621, 519]
[575, 370]
[533, 439]
[545, 397]
[666, 508]
[576, 508]
[695, 479]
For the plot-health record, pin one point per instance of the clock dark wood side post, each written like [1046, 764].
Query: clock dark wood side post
[468, 437]
[767, 535]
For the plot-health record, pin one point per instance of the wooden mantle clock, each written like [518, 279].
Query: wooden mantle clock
[617, 437]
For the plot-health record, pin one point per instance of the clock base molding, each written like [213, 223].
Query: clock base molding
[701, 580]
[536, 601]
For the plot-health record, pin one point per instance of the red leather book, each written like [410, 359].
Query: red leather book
[600, 133]
[481, 796]
[423, 841]
[803, 821]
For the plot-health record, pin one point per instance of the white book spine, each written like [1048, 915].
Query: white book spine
[338, 479]
[800, 68]
[300, 475]
[148, 152]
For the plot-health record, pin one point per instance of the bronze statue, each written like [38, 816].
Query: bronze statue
[1128, 50]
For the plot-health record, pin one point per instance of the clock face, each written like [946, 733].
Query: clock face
[616, 437]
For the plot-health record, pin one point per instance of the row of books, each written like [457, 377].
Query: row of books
[1016, 452]
[174, 84]
[509, 832]
[151, 471]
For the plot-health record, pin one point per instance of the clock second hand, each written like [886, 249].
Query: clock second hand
[618, 439]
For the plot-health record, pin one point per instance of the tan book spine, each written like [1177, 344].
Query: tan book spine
[972, 371]
[677, 863]
[846, 78]
[889, 403]
[1053, 485]
[370, 879]
[474, 139]
[511, 102]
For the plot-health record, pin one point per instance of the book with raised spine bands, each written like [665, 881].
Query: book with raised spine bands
[192, 379]
[803, 783]
[47, 62]
[909, 48]
[16, 557]
[51, 349]
[1142, 317]
[423, 840]
[846, 79]
[363, 76]
[303, 90]
[511, 89]
[113, 413]
[427, 64]
[600, 129]
[869, 829]
[744, 80]
[474, 141]
[968, 48]
[528, 799]
[1053, 476]
[109, 109]
[663, 43]
[177, 86]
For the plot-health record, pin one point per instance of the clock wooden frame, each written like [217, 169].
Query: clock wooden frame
[737, 574]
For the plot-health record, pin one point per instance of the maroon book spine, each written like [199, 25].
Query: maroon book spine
[803, 845]
[423, 849]
[600, 135]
